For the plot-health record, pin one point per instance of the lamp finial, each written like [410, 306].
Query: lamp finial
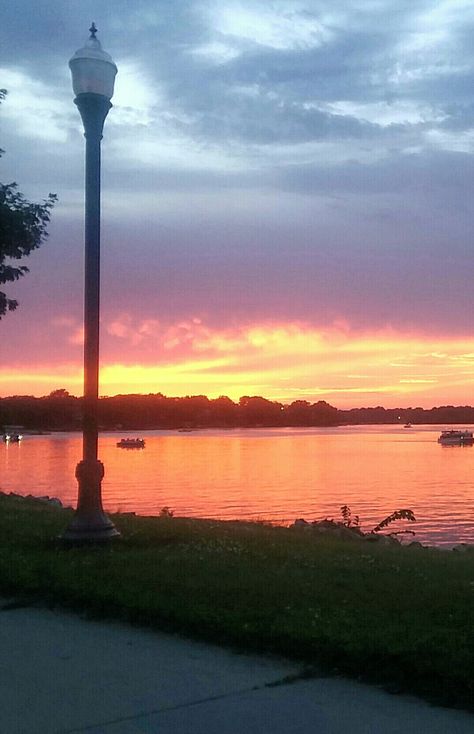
[93, 30]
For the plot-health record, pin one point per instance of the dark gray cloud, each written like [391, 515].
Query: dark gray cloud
[259, 174]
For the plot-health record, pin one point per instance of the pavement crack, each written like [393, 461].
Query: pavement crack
[304, 674]
[208, 699]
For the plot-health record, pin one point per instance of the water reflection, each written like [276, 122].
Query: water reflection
[274, 474]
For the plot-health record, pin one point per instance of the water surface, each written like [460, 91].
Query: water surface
[275, 474]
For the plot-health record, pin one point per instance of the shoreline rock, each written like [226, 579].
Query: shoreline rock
[44, 499]
[339, 530]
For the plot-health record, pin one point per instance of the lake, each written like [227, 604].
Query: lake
[276, 475]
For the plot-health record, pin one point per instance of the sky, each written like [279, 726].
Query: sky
[286, 201]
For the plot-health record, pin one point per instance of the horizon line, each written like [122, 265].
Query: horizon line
[284, 402]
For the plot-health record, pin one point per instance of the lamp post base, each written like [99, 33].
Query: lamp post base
[90, 524]
[98, 529]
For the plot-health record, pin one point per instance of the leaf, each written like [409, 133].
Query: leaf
[397, 515]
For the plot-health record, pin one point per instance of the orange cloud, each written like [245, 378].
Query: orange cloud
[282, 361]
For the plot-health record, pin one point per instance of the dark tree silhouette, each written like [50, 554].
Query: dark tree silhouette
[22, 230]
[61, 411]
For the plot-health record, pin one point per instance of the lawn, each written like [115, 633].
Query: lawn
[396, 616]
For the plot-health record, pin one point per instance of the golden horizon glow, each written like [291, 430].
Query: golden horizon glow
[279, 361]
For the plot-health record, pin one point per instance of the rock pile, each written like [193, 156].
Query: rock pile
[44, 499]
[345, 532]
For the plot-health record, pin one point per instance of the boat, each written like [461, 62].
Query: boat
[407, 425]
[12, 437]
[12, 434]
[131, 443]
[456, 437]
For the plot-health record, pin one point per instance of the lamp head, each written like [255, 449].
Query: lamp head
[92, 69]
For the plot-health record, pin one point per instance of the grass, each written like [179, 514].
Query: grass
[398, 617]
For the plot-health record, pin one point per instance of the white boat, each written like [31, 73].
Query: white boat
[12, 437]
[131, 443]
[12, 434]
[455, 437]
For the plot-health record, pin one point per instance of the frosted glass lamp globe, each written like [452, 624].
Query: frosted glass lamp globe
[92, 69]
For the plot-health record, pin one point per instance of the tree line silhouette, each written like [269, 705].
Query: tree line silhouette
[61, 411]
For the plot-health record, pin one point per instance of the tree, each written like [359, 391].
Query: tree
[60, 393]
[22, 230]
[257, 411]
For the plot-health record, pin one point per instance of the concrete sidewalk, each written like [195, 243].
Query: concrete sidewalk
[61, 674]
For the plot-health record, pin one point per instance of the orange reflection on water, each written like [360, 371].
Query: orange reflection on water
[266, 474]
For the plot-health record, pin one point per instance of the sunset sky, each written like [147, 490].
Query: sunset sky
[287, 199]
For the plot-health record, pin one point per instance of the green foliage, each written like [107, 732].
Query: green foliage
[143, 412]
[3, 94]
[397, 515]
[390, 614]
[23, 227]
[348, 521]
[166, 512]
[347, 518]
[346, 515]
[60, 393]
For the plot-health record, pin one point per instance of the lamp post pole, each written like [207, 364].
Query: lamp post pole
[93, 93]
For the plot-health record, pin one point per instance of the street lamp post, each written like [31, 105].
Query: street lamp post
[93, 75]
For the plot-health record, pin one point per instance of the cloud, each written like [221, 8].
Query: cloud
[77, 337]
[34, 108]
[281, 360]
[293, 161]
[135, 96]
[278, 25]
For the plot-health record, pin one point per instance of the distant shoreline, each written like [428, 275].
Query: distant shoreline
[61, 411]
[197, 429]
